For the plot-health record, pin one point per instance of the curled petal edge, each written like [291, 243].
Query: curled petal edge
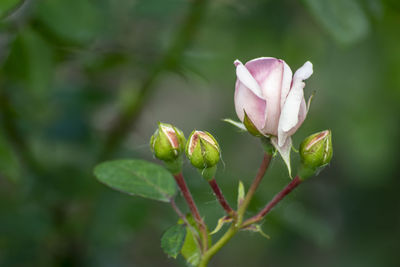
[245, 77]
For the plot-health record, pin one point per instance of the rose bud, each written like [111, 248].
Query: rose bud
[167, 143]
[315, 153]
[203, 152]
[270, 100]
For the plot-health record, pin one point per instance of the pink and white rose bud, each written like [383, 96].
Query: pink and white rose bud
[272, 98]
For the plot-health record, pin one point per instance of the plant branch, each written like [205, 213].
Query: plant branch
[256, 182]
[169, 61]
[236, 225]
[14, 135]
[178, 211]
[185, 221]
[277, 198]
[193, 208]
[218, 245]
[221, 198]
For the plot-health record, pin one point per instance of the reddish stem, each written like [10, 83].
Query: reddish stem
[221, 197]
[277, 198]
[256, 182]
[180, 181]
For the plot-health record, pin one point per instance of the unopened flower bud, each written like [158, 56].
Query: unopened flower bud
[203, 152]
[315, 153]
[167, 143]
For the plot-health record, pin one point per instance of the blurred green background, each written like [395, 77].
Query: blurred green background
[83, 81]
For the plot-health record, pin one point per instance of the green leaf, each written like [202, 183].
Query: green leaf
[237, 124]
[172, 240]
[7, 5]
[137, 177]
[345, 20]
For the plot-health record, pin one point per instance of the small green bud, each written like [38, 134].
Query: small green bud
[167, 143]
[203, 152]
[315, 153]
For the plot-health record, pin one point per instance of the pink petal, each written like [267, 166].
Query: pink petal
[246, 100]
[269, 74]
[261, 67]
[271, 88]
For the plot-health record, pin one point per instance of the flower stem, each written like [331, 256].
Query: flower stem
[236, 225]
[256, 182]
[180, 181]
[221, 198]
[217, 246]
[277, 198]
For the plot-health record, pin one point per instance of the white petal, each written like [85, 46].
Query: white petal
[247, 79]
[286, 83]
[304, 72]
[282, 135]
[290, 112]
[291, 108]
[284, 151]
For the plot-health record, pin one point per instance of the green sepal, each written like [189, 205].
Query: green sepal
[210, 152]
[208, 173]
[221, 222]
[251, 128]
[257, 229]
[237, 124]
[174, 166]
[305, 172]
[267, 145]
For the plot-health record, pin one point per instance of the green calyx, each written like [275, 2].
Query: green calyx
[168, 142]
[203, 152]
[267, 145]
[316, 153]
[251, 128]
